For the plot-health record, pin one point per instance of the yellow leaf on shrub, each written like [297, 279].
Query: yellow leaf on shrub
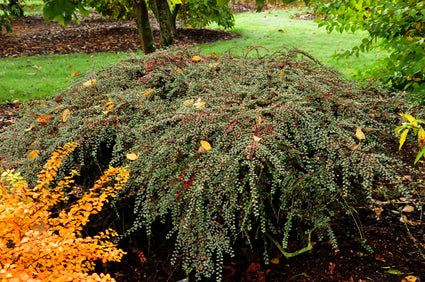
[196, 58]
[256, 138]
[205, 145]
[44, 119]
[65, 115]
[187, 103]
[33, 154]
[179, 70]
[360, 134]
[403, 136]
[132, 156]
[90, 82]
[199, 103]
[409, 38]
[147, 92]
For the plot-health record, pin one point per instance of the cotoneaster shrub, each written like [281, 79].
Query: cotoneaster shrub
[37, 242]
[224, 148]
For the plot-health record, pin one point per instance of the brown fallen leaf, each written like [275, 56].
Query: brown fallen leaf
[408, 208]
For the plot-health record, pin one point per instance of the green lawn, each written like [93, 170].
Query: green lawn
[275, 30]
[39, 76]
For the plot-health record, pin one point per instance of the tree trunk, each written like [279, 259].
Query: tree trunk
[144, 26]
[174, 18]
[162, 14]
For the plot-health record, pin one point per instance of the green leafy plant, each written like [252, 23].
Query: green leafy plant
[224, 149]
[400, 26]
[9, 9]
[202, 13]
[416, 126]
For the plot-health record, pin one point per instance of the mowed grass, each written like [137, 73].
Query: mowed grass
[25, 78]
[275, 30]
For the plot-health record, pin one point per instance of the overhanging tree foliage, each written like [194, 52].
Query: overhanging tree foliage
[9, 9]
[400, 26]
[196, 12]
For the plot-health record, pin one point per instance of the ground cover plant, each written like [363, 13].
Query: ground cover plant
[41, 242]
[224, 149]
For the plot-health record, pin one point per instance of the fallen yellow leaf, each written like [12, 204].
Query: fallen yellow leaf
[65, 115]
[33, 154]
[188, 102]
[132, 156]
[75, 73]
[44, 119]
[205, 145]
[147, 92]
[256, 138]
[199, 103]
[90, 82]
[196, 58]
[360, 134]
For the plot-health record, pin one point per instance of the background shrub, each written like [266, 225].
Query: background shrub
[400, 26]
[223, 148]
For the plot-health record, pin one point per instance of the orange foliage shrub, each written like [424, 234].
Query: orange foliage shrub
[38, 247]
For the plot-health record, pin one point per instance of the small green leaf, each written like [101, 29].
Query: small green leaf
[403, 138]
[421, 136]
[420, 154]
[221, 3]
[83, 11]
[398, 129]
[260, 5]
[394, 272]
